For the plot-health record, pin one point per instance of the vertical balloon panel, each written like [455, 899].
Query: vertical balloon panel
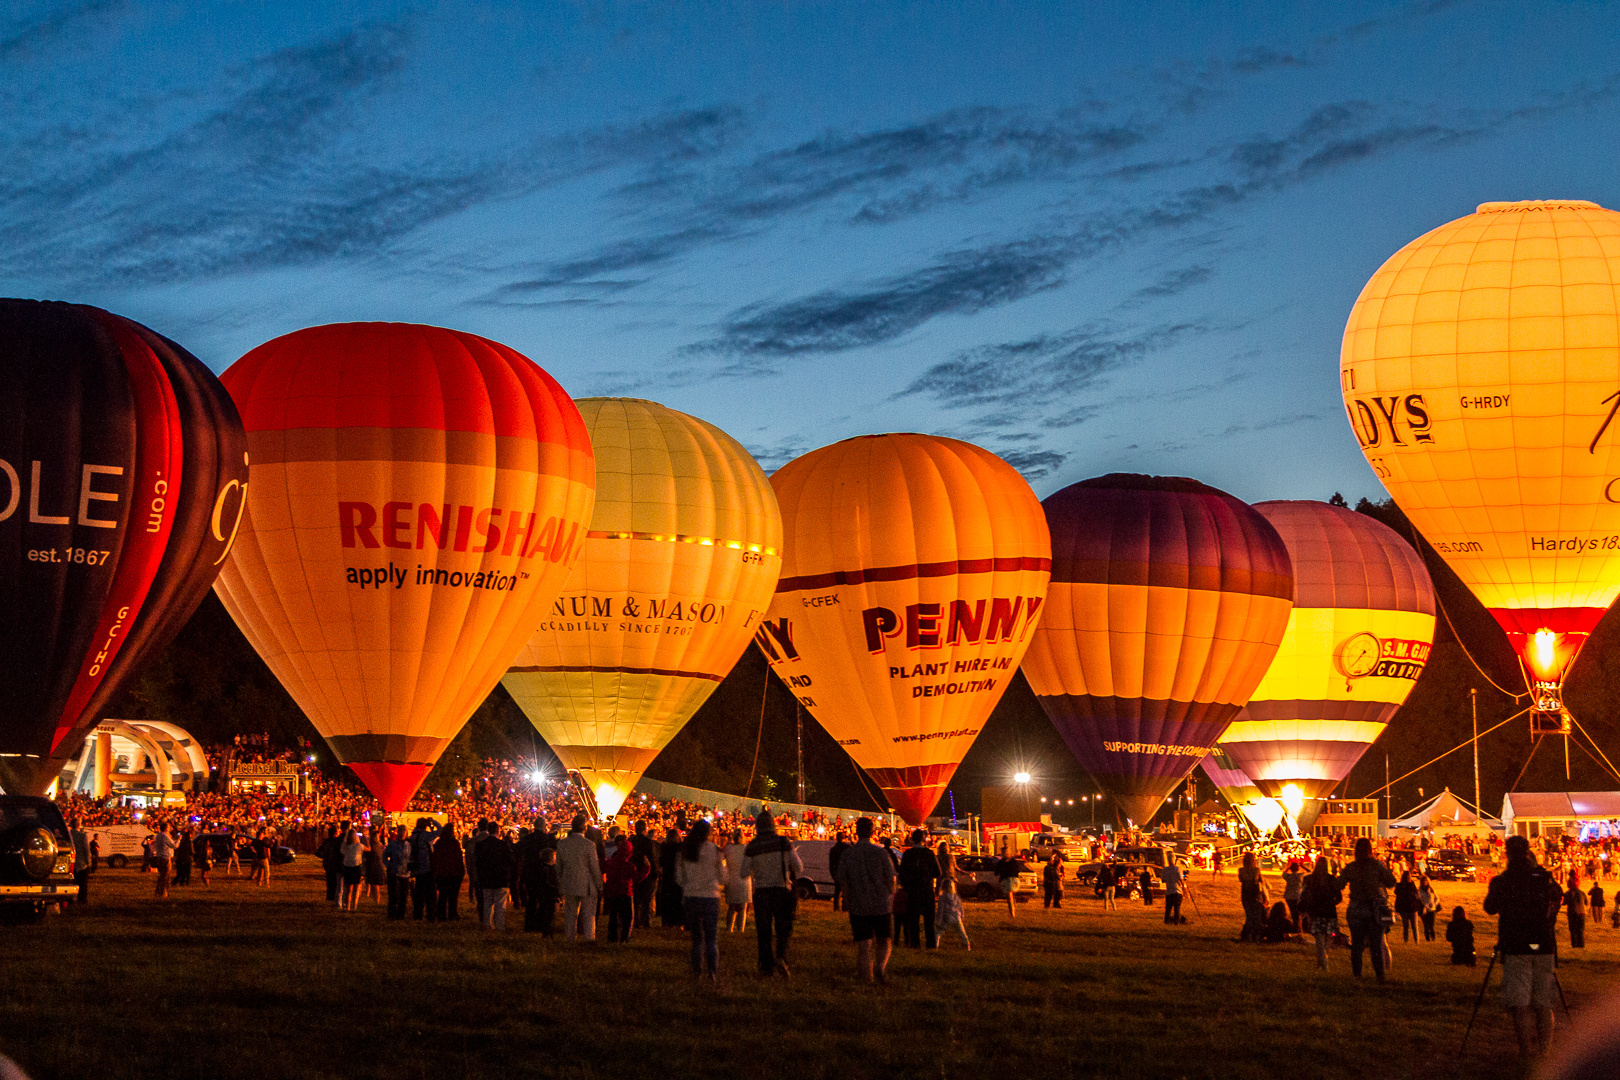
[419, 497]
[683, 554]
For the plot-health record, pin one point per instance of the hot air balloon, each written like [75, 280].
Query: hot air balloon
[682, 558]
[122, 467]
[1240, 792]
[914, 570]
[1358, 638]
[1481, 374]
[1168, 601]
[419, 497]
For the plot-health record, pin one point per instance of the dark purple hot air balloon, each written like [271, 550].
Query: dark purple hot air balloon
[1167, 602]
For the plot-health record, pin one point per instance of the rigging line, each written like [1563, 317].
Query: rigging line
[1374, 792]
[1595, 761]
[1594, 743]
[764, 693]
[877, 799]
[1533, 748]
[1420, 545]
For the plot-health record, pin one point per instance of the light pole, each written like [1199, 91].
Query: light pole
[1473, 708]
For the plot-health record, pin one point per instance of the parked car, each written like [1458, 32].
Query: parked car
[977, 878]
[36, 857]
[1448, 864]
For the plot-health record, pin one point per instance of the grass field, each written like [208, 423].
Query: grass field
[233, 980]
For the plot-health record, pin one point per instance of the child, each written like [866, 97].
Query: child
[950, 912]
[1460, 932]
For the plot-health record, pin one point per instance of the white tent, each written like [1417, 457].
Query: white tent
[1446, 812]
[1583, 813]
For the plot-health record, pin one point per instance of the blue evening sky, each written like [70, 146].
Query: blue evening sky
[1089, 237]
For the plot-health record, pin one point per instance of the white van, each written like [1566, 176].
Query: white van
[817, 881]
[119, 844]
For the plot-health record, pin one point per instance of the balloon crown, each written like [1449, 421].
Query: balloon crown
[1143, 482]
[1536, 204]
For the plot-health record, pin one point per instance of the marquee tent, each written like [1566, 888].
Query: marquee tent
[1583, 813]
[1446, 812]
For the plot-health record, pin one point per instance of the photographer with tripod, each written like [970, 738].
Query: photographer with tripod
[1525, 899]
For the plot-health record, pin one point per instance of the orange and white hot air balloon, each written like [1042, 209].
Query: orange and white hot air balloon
[418, 497]
[1481, 374]
[914, 569]
[683, 555]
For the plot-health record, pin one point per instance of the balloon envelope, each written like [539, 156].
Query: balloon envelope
[1168, 601]
[1481, 374]
[419, 496]
[1357, 640]
[1240, 792]
[683, 555]
[121, 475]
[914, 569]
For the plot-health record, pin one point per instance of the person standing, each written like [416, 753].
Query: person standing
[422, 898]
[182, 858]
[1406, 906]
[1052, 882]
[1252, 894]
[919, 877]
[1106, 885]
[1293, 880]
[331, 856]
[579, 876]
[1366, 878]
[83, 864]
[449, 863]
[374, 873]
[351, 868]
[1319, 897]
[162, 857]
[739, 889]
[645, 854]
[541, 895]
[1575, 910]
[494, 858]
[834, 854]
[867, 876]
[703, 882]
[1172, 876]
[1595, 901]
[773, 868]
[670, 908]
[1428, 906]
[396, 861]
[202, 856]
[469, 851]
[951, 915]
[1525, 900]
[622, 875]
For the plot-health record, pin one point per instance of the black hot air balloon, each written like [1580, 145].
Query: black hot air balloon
[122, 473]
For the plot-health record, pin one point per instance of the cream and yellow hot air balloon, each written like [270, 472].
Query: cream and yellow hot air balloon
[1357, 640]
[915, 568]
[1481, 373]
[418, 496]
[681, 561]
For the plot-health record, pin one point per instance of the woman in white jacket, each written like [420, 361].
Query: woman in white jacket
[702, 878]
[739, 889]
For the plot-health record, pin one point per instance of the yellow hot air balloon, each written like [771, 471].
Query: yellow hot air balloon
[1357, 640]
[418, 496]
[1481, 373]
[915, 568]
[683, 555]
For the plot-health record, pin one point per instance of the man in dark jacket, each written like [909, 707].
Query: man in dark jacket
[1525, 899]
[422, 896]
[331, 855]
[449, 867]
[1366, 879]
[833, 855]
[919, 877]
[494, 858]
[645, 854]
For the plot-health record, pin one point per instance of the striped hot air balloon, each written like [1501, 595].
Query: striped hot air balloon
[1358, 638]
[683, 555]
[1168, 601]
[914, 569]
[419, 497]
[122, 473]
[1481, 375]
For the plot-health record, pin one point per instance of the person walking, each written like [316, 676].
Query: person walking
[1366, 879]
[351, 867]
[202, 856]
[867, 876]
[951, 916]
[1319, 896]
[449, 863]
[1106, 884]
[919, 877]
[702, 879]
[670, 907]
[396, 861]
[1052, 882]
[622, 874]
[1525, 899]
[1575, 910]
[739, 889]
[645, 854]
[162, 856]
[773, 869]
[1428, 906]
[1007, 872]
[1406, 906]
[1172, 875]
[579, 876]
[494, 858]
[331, 855]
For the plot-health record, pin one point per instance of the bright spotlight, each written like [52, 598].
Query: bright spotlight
[537, 777]
[1293, 799]
[1021, 778]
